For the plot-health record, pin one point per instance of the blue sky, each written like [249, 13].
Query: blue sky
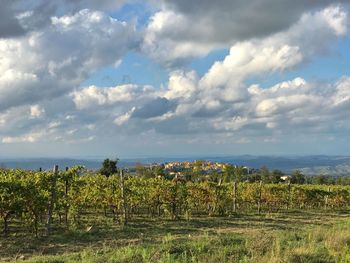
[161, 78]
[133, 68]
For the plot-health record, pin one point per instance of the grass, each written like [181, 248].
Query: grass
[279, 237]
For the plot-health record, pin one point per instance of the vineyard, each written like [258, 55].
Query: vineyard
[38, 202]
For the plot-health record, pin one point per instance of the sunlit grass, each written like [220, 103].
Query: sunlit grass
[279, 237]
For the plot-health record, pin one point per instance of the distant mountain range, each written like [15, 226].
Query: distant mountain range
[310, 165]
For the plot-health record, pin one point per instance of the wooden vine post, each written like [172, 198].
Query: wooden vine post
[326, 205]
[124, 198]
[234, 207]
[289, 200]
[259, 197]
[66, 209]
[52, 199]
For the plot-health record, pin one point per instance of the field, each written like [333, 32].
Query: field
[294, 236]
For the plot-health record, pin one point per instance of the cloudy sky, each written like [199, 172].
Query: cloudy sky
[129, 78]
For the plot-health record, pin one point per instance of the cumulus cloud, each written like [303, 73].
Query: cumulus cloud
[182, 30]
[17, 17]
[49, 63]
[221, 101]
[93, 96]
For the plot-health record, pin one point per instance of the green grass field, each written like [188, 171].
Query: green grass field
[307, 236]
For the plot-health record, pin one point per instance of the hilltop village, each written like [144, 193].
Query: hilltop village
[201, 167]
[206, 170]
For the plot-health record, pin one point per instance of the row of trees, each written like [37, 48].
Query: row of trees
[39, 199]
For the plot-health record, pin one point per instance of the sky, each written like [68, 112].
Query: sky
[130, 78]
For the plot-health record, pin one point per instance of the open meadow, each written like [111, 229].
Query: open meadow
[294, 236]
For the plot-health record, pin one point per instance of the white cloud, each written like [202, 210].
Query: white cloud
[342, 97]
[221, 101]
[36, 111]
[18, 17]
[28, 138]
[96, 96]
[224, 100]
[120, 120]
[162, 43]
[336, 19]
[55, 60]
[181, 30]
[182, 85]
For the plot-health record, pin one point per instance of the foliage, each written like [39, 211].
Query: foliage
[297, 178]
[25, 195]
[109, 167]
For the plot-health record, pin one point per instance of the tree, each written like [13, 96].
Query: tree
[140, 169]
[158, 171]
[229, 173]
[265, 174]
[238, 172]
[109, 167]
[297, 178]
[255, 177]
[276, 176]
[190, 175]
[321, 179]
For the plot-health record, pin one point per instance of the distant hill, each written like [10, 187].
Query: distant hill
[310, 165]
[338, 170]
[47, 163]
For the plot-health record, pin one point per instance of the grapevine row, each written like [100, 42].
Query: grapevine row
[27, 197]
